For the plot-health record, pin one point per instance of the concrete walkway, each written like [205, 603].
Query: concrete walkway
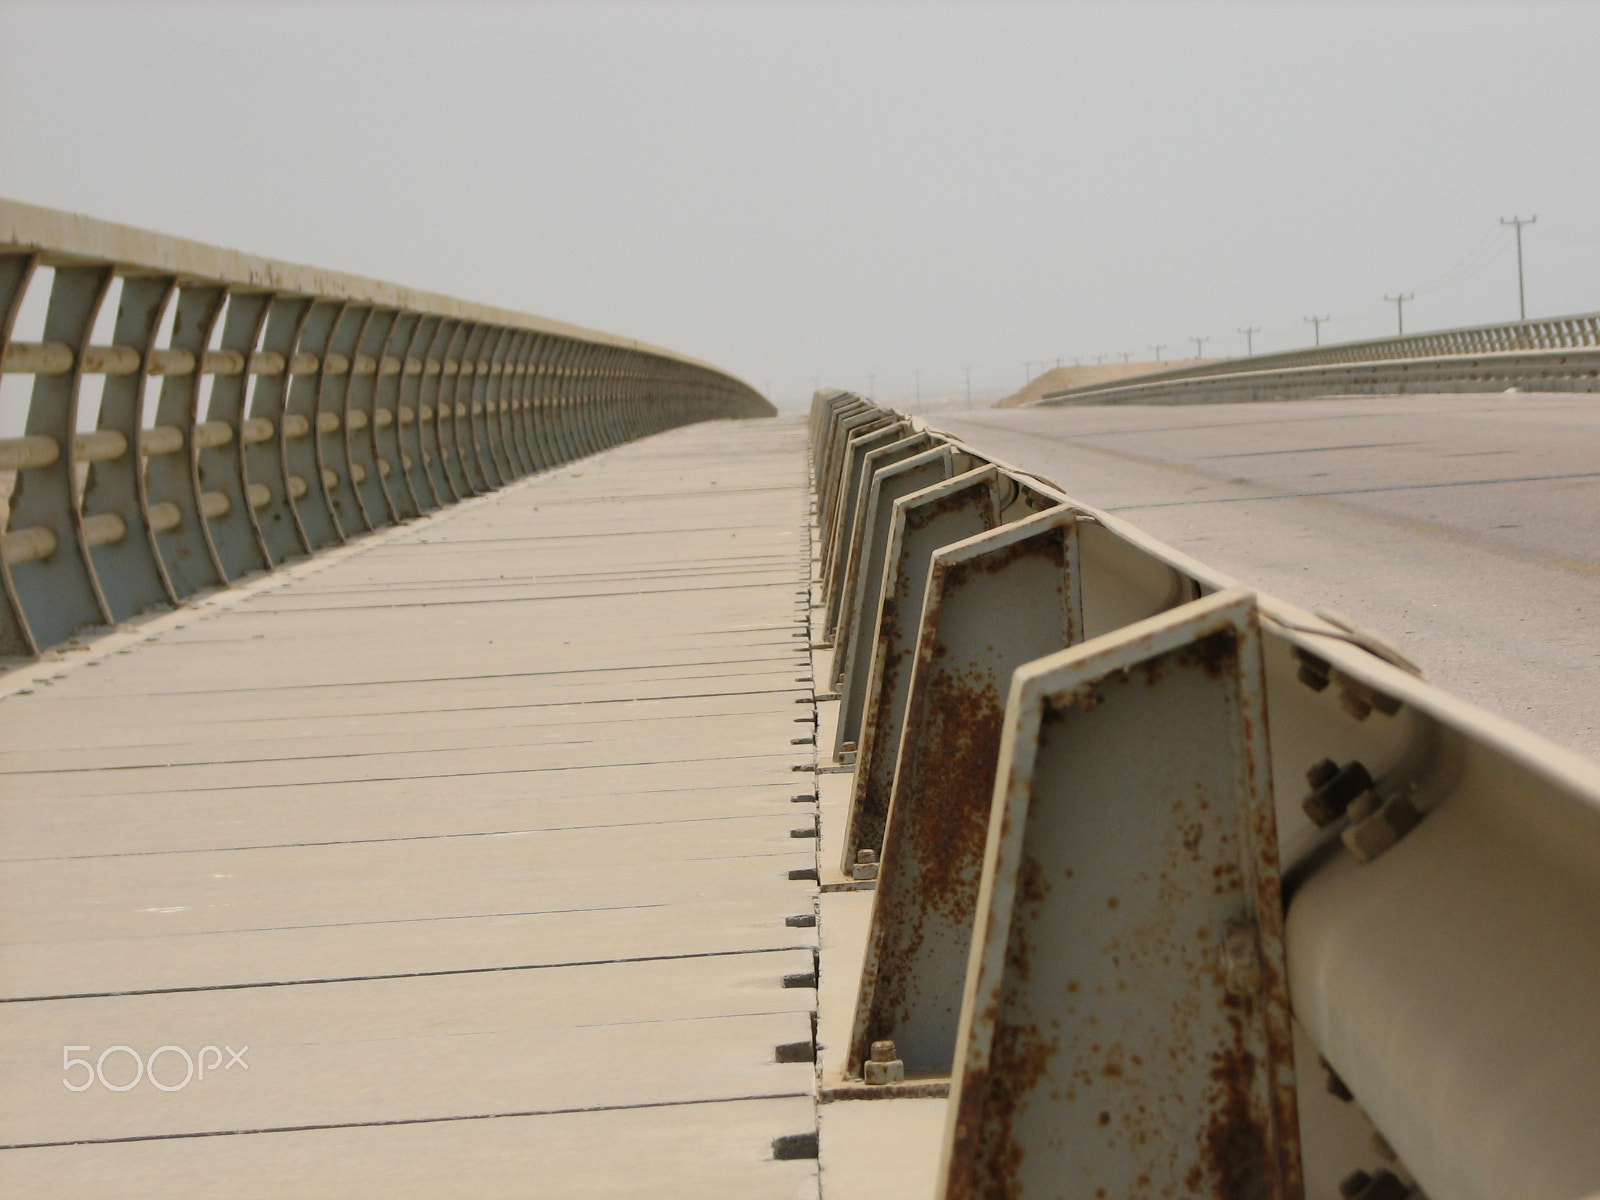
[478, 836]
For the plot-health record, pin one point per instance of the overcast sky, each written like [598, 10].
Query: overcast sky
[849, 192]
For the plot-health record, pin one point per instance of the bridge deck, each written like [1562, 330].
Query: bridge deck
[477, 835]
[1461, 526]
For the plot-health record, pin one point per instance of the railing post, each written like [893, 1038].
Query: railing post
[269, 462]
[16, 639]
[513, 388]
[59, 591]
[447, 427]
[391, 424]
[333, 435]
[361, 419]
[132, 575]
[302, 459]
[240, 546]
[492, 465]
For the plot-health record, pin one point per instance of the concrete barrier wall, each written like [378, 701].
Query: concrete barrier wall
[1189, 891]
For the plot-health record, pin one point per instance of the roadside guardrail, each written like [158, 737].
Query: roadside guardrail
[1561, 354]
[333, 406]
[1187, 890]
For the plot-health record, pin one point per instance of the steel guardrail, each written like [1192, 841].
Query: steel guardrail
[1560, 354]
[337, 405]
[1186, 890]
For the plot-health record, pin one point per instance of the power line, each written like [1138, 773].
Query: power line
[1468, 266]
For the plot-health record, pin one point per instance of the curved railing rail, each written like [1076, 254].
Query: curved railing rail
[1559, 354]
[336, 405]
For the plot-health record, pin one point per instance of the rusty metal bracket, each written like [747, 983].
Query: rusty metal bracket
[1126, 1023]
[993, 603]
[875, 562]
[878, 678]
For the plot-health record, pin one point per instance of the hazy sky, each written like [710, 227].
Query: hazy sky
[839, 191]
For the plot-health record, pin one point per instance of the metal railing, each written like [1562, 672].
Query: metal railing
[1186, 890]
[1560, 354]
[333, 406]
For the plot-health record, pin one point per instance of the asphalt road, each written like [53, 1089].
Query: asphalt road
[1464, 528]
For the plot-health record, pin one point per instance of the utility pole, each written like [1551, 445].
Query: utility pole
[1200, 342]
[1058, 364]
[872, 386]
[918, 374]
[1399, 303]
[1522, 299]
[1316, 323]
[1157, 349]
[1249, 332]
[969, 388]
[1127, 356]
[1099, 359]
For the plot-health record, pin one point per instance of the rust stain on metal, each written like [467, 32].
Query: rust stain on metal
[869, 806]
[870, 809]
[940, 837]
[1234, 1154]
[1020, 1052]
[954, 787]
[1019, 1058]
[1215, 654]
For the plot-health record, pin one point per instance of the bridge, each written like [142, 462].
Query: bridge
[449, 751]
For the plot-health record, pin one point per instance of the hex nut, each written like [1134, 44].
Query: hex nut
[866, 865]
[883, 1067]
[1373, 834]
[1333, 793]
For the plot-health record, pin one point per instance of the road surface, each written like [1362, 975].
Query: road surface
[1466, 528]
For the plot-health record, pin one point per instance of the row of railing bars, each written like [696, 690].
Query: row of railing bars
[337, 406]
[1553, 354]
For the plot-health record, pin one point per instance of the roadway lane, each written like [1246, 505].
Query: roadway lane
[1464, 528]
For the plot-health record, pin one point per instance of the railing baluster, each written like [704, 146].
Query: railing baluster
[361, 420]
[240, 546]
[332, 433]
[391, 425]
[58, 588]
